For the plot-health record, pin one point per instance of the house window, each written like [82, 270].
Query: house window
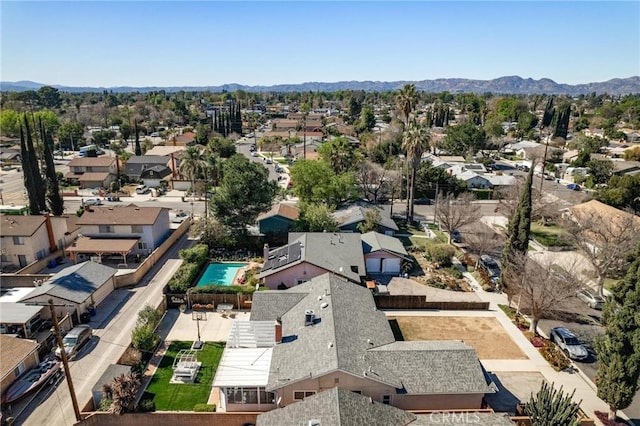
[142, 245]
[5, 258]
[300, 395]
[19, 369]
[136, 229]
[267, 397]
[357, 391]
[238, 395]
[105, 229]
[41, 254]
[386, 399]
[18, 241]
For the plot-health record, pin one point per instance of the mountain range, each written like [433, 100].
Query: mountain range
[506, 85]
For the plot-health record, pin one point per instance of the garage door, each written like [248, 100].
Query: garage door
[373, 265]
[391, 266]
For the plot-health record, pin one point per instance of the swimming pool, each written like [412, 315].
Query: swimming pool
[220, 274]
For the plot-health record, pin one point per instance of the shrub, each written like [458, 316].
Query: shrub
[435, 283]
[554, 356]
[455, 272]
[441, 254]
[184, 277]
[143, 338]
[196, 254]
[146, 404]
[222, 289]
[149, 316]
[204, 408]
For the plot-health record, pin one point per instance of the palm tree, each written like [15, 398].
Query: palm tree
[122, 392]
[193, 165]
[406, 101]
[415, 142]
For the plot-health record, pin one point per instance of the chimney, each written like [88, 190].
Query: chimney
[52, 240]
[265, 251]
[278, 327]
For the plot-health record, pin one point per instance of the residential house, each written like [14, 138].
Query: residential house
[155, 176]
[279, 219]
[497, 181]
[10, 156]
[595, 212]
[383, 254]
[351, 216]
[25, 239]
[92, 172]
[310, 254]
[327, 333]
[121, 230]
[136, 165]
[18, 356]
[75, 289]
[341, 407]
[621, 168]
[444, 161]
[185, 139]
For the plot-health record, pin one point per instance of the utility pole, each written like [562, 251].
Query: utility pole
[65, 360]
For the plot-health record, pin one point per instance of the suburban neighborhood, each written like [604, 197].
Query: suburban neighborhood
[337, 288]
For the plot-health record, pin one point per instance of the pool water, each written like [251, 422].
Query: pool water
[220, 274]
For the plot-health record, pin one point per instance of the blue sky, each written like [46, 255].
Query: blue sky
[179, 43]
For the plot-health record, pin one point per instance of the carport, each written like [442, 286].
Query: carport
[101, 246]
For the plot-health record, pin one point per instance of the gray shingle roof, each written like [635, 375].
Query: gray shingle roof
[429, 367]
[349, 320]
[271, 304]
[355, 213]
[337, 407]
[75, 283]
[327, 250]
[375, 241]
[17, 313]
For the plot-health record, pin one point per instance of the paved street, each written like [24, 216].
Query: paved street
[111, 338]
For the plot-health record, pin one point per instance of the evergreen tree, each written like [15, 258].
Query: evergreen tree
[618, 349]
[228, 124]
[239, 119]
[138, 149]
[56, 205]
[518, 231]
[549, 112]
[551, 407]
[27, 175]
[562, 121]
[38, 183]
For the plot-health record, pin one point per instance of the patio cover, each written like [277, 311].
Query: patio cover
[100, 246]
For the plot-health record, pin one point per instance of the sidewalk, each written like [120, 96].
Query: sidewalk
[585, 389]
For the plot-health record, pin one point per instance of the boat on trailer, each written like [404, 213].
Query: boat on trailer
[32, 380]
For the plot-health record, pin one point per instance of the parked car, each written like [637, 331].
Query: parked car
[177, 216]
[142, 189]
[490, 266]
[268, 160]
[422, 201]
[254, 154]
[75, 340]
[112, 197]
[590, 298]
[456, 237]
[573, 187]
[569, 343]
[92, 202]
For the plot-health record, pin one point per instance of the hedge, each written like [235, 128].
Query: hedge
[221, 289]
[194, 259]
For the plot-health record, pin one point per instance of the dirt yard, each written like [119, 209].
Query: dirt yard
[485, 335]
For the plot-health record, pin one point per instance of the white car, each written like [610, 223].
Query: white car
[142, 189]
[92, 202]
[177, 216]
[254, 154]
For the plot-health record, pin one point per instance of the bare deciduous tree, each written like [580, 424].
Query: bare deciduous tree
[541, 286]
[374, 180]
[483, 240]
[604, 235]
[454, 213]
[544, 208]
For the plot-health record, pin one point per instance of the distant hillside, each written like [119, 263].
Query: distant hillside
[507, 85]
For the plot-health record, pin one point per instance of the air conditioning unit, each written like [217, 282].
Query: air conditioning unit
[309, 317]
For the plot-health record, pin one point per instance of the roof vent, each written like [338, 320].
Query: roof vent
[369, 341]
[319, 298]
[309, 317]
[330, 345]
[314, 422]
[324, 305]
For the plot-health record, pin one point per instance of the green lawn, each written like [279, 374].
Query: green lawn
[549, 235]
[610, 283]
[183, 397]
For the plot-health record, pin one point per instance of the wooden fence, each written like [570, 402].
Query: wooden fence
[239, 301]
[171, 418]
[420, 302]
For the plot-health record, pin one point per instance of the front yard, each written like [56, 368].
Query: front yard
[549, 235]
[183, 397]
[484, 334]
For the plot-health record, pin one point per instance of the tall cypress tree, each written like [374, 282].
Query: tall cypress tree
[519, 230]
[238, 119]
[38, 183]
[549, 112]
[618, 349]
[56, 204]
[138, 149]
[562, 121]
[26, 175]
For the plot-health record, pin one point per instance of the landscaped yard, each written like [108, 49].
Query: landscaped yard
[549, 235]
[484, 334]
[183, 397]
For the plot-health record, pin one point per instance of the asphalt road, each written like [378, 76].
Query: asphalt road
[54, 407]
